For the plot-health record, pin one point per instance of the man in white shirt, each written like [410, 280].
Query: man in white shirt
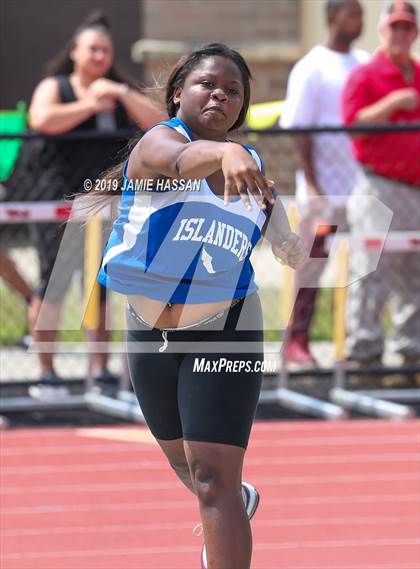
[328, 170]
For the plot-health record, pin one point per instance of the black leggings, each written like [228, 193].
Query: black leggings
[204, 384]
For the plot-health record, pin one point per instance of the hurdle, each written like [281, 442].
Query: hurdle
[281, 394]
[378, 402]
[36, 212]
[123, 404]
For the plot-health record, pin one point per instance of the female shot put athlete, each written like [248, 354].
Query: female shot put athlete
[193, 206]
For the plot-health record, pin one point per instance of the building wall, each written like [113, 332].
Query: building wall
[31, 33]
[224, 20]
[266, 32]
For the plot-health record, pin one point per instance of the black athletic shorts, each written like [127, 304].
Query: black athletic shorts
[204, 383]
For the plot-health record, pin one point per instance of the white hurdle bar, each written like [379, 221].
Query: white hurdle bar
[371, 405]
[303, 404]
[123, 406]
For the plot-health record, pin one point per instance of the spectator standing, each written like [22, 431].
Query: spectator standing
[328, 169]
[10, 274]
[386, 90]
[83, 92]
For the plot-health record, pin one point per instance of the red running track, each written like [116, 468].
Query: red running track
[333, 496]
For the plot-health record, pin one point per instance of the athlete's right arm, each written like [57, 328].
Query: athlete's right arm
[49, 115]
[164, 152]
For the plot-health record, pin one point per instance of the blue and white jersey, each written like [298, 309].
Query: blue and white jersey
[177, 242]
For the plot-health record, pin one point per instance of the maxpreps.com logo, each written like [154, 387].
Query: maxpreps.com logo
[204, 365]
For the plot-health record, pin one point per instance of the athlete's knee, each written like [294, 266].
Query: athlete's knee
[180, 467]
[209, 483]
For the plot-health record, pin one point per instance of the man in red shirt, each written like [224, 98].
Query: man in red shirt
[386, 90]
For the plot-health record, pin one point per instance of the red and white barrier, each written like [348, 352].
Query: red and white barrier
[59, 211]
[34, 212]
[40, 212]
[394, 241]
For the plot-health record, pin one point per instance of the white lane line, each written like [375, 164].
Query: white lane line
[255, 443]
[190, 504]
[292, 522]
[379, 542]
[49, 488]
[335, 441]
[259, 425]
[360, 565]
[101, 448]
[315, 425]
[162, 464]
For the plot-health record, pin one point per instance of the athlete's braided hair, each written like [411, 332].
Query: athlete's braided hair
[189, 62]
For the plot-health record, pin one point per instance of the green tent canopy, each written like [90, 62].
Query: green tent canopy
[11, 122]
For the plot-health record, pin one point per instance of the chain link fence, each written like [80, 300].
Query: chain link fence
[55, 168]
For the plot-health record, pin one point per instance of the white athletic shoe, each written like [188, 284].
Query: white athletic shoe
[48, 392]
[251, 500]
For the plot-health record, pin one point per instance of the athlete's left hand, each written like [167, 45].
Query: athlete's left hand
[291, 251]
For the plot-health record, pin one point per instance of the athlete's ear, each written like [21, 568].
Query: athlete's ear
[177, 95]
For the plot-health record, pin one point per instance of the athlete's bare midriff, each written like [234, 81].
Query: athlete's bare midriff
[159, 314]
